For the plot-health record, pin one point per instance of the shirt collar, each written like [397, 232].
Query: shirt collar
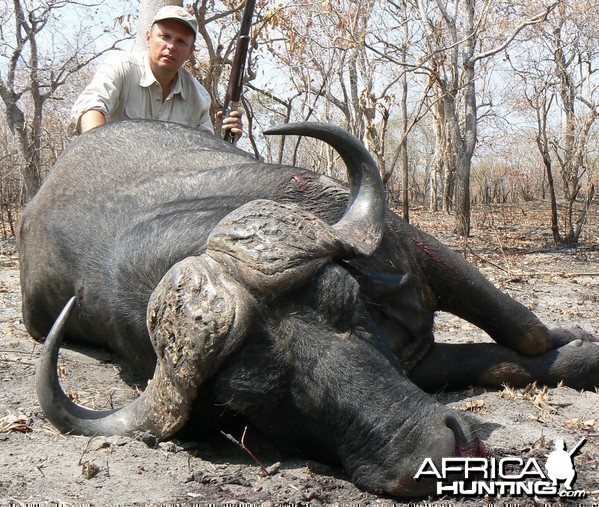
[148, 78]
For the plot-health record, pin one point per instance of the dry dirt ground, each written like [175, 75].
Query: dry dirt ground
[39, 465]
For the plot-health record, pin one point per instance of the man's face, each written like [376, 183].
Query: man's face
[170, 45]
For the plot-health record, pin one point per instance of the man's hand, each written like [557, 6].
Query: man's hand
[232, 122]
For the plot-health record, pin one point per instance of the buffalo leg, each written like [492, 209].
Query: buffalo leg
[455, 366]
[454, 285]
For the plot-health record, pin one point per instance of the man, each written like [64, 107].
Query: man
[152, 84]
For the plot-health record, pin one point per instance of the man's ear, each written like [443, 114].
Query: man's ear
[148, 37]
[191, 50]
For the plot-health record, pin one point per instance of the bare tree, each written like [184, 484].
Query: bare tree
[562, 89]
[574, 64]
[541, 101]
[332, 72]
[453, 32]
[32, 73]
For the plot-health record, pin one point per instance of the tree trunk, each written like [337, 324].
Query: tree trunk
[462, 198]
[467, 141]
[404, 126]
[404, 157]
[557, 239]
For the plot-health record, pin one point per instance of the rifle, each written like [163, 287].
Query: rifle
[233, 96]
[577, 446]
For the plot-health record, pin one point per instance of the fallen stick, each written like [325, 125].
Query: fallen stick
[243, 447]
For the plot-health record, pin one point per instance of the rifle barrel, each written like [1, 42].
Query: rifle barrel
[577, 446]
[234, 89]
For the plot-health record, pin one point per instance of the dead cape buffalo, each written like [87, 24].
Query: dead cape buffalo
[280, 294]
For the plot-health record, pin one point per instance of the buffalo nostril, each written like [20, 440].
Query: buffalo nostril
[442, 435]
[466, 444]
[480, 450]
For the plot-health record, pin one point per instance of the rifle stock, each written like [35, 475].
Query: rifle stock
[235, 86]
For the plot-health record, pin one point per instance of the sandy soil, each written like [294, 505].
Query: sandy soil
[39, 465]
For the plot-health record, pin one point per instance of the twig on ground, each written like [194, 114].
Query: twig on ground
[562, 274]
[243, 447]
[85, 449]
[24, 363]
[482, 259]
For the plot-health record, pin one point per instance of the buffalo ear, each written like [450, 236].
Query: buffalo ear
[394, 301]
[335, 296]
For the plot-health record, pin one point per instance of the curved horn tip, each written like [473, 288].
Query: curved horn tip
[137, 420]
[363, 224]
[303, 128]
[58, 326]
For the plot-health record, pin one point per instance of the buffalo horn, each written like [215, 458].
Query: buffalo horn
[361, 228]
[196, 319]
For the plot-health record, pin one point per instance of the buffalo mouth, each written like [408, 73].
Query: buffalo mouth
[438, 433]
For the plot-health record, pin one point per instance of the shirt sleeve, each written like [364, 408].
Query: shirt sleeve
[205, 123]
[101, 94]
[202, 107]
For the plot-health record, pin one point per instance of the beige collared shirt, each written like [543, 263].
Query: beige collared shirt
[125, 88]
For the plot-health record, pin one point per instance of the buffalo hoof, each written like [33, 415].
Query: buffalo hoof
[576, 364]
[561, 336]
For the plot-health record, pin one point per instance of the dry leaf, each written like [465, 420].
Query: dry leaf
[89, 470]
[475, 405]
[577, 423]
[18, 423]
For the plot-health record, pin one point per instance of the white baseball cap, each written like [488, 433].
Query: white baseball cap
[179, 14]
